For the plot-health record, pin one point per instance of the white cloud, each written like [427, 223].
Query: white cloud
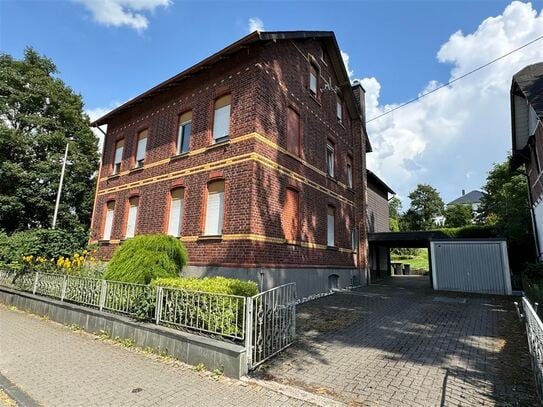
[255, 24]
[463, 128]
[345, 57]
[117, 13]
[96, 113]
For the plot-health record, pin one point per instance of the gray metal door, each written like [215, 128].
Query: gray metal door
[479, 266]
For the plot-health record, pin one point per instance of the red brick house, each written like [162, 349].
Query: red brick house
[254, 158]
[527, 131]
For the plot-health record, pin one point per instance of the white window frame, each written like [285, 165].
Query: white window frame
[141, 148]
[330, 226]
[313, 79]
[221, 120]
[214, 212]
[350, 175]
[118, 157]
[339, 109]
[354, 240]
[110, 216]
[177, 206]
[330, 163]
[132, 219]
[181, 135]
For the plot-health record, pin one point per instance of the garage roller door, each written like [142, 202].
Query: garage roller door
[478, 266]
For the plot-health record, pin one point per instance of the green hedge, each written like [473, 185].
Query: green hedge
[219, 285]
[470, 231]
[147, 257]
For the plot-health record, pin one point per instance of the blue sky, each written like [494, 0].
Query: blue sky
[392, 45]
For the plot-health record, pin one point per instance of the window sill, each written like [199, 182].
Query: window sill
[220, 143]
[340, 122]
[315, 98]
[179, 156]
[113, 176]
[136, 169]
[334, 248]
[211, 238]
[332, 178]
[292, 242]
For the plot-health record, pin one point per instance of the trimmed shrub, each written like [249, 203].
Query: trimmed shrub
[219, 285]
[147, 257]
[470, 231]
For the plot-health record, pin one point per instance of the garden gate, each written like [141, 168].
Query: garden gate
[271, 323]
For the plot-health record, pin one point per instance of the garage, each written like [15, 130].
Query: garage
[477, 266]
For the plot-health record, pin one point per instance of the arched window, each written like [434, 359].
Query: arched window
[108, 223]
[221, 118]
[291, 215]
[177, 201]
[214, 209]
[132, 220]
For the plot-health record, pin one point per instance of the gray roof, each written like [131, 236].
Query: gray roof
[530, 83]
[469, 198]
[379, 182]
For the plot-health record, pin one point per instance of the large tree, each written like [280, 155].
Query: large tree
[395, 209]
[39, 114]
[505, 204]
[426, 204]
[458, 215]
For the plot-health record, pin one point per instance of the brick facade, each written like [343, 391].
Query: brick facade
[264, 79]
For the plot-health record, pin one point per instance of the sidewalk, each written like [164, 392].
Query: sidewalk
[58, 367]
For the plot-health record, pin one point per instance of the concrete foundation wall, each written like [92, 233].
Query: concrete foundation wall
[188, 348]
[309, 281]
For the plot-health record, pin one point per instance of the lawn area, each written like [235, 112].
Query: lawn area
[420, 261]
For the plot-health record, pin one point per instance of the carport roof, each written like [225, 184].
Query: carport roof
[405, 239]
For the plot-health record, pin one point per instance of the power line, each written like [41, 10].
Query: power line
[454, 80]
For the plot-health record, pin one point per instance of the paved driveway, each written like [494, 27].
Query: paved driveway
[401, 344]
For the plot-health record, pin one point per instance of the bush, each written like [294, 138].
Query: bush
[44, 243]
[145, 258]
[219, 285]
[470, 232]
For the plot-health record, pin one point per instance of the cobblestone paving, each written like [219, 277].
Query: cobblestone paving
[57, 367]
[402, 344]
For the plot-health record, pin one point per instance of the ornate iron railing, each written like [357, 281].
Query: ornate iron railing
[127, 298]
[219, 314]
[266, 321]
[534, 331]
[271, 320]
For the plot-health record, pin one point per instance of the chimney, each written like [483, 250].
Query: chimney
[360, 96]
[463, 192]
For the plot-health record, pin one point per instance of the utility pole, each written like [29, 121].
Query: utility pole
[60, 185]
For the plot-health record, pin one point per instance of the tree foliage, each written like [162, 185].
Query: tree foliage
[39, 115]
[505, 204]
[458, 215]
[395, 212]
[426, 204]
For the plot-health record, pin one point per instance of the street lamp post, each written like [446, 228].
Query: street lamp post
[60, 185]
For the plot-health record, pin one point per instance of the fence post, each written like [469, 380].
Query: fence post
[249, 331]
[35, 287]
[64, 285]
[158, 306]
[103, 292]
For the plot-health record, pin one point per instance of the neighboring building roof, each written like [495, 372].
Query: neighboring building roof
[530, 82]
[469, 198]
[327, 37]
[526, 91]
[379, 182]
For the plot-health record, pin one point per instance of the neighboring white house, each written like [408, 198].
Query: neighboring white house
[472, 198]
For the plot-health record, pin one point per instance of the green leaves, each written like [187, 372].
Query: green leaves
[39, 115]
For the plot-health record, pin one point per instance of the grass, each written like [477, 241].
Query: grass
[418, 262]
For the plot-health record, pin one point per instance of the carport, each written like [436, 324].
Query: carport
[381, 243]
[466, 265]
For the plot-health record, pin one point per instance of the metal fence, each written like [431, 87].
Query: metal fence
[271, 321]
[219, 314]
[266, 322]
[534, 331]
